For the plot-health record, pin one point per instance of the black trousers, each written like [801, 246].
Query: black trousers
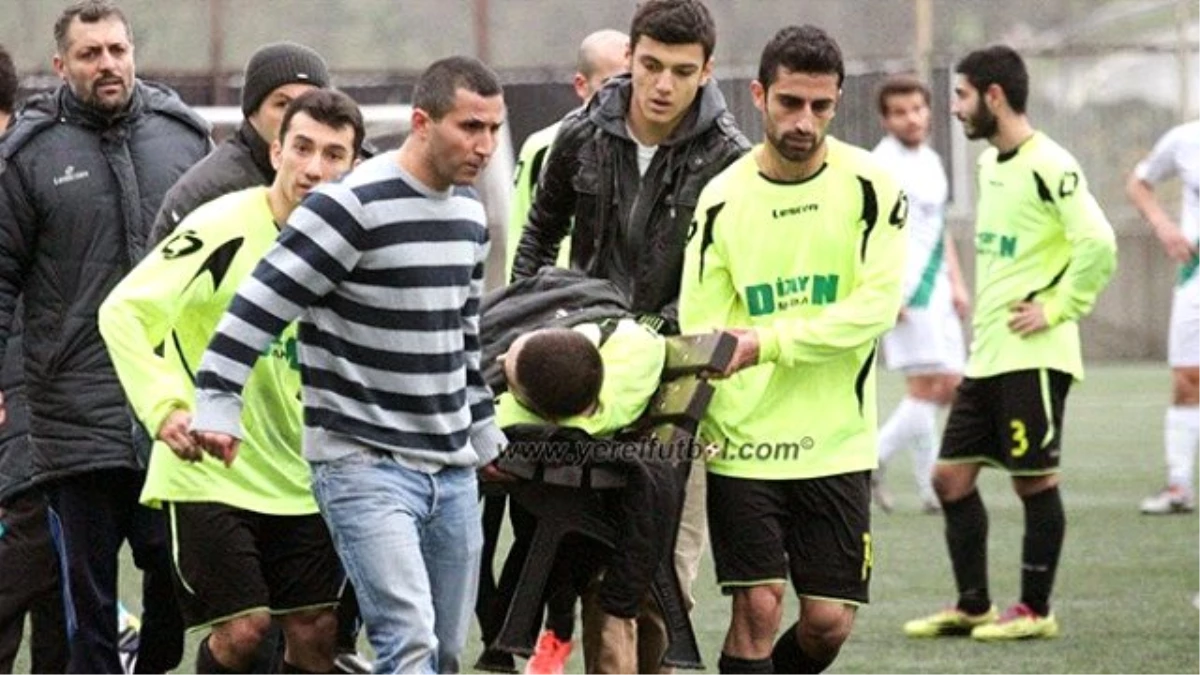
[29, 585]
[91, 515]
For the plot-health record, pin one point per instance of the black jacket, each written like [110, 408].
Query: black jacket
[552, 298]
[78, 191]
[241, 161]
[631, 230]
[15, 449]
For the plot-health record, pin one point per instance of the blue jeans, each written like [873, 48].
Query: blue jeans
[410, 542]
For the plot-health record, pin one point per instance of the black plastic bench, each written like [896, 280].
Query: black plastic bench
[569, 498]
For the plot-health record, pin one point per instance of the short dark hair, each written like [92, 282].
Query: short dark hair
[1000, 65]
[88, 11]
[900, 85]
[559, 371]
[435, 90]
[801, 49]
[329, 107]
[674, 22]
[8, 83]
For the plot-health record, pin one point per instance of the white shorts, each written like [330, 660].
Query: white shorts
[1183, 343]
[927, 340]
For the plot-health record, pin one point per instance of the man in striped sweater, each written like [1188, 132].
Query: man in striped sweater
[384, 272]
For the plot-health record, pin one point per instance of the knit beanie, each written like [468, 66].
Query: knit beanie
[277, 64]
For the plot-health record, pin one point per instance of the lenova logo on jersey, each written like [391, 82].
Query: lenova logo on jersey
[805, 289]
[1000, 245]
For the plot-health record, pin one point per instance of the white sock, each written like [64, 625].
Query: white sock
[925, 450]
[1182, 435]
[910, 425]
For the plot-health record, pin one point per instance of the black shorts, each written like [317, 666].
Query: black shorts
[1012, 421]
[816, 529]
[229, 562]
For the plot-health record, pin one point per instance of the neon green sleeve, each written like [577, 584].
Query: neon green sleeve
[518, 206]
[137, 317]
[707, 295]
[1093, 250]
[509, 412]
[871, 307]
[525, 180]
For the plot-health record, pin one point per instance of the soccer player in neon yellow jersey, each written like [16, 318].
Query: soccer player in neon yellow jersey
[1044, 252]
[798, 249]
[247, 539]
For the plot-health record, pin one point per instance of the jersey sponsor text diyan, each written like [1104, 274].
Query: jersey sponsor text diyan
[1000, 245]
[785, 293]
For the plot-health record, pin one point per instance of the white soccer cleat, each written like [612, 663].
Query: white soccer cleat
[1172, 499]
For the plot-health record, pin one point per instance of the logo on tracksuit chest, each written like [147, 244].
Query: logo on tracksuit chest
[70, 175]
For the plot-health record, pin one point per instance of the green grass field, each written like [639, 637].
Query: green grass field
[1125, 584]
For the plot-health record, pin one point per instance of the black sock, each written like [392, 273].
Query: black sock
[788, 657]
[207, 663]
[966, 537]
[1045, 527]
[733, 664]
[286, 667]
[348, 618]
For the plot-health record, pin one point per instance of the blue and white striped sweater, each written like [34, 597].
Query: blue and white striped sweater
[385, 277]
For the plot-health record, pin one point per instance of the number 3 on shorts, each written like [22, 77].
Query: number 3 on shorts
[1020, 440]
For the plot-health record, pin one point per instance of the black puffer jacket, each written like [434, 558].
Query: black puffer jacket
[629, 229]
[15, 449]
[78, 192]
[239, 162]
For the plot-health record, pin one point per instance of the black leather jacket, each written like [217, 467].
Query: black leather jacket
[628, 228]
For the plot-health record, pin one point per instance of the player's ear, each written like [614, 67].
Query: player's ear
[276, 154]
[759, 93]
[706, 72]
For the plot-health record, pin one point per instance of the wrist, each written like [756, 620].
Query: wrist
[768, 344]
[1053, 312]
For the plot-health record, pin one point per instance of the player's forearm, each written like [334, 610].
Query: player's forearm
[841, 329]
[1141, 195]
[953, 268]
[1093, 261]
[151, 386]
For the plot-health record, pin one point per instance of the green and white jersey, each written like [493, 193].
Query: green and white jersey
[530, 161]
[817, 269]
[157, 323]
[1177, 155]
[923, 179]
[1039, 235]
[633, 358]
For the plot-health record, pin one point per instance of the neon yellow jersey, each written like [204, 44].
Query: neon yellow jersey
[633, 359]
[1039, 235]
[817, 269]
[531, 159]
[157, 323]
